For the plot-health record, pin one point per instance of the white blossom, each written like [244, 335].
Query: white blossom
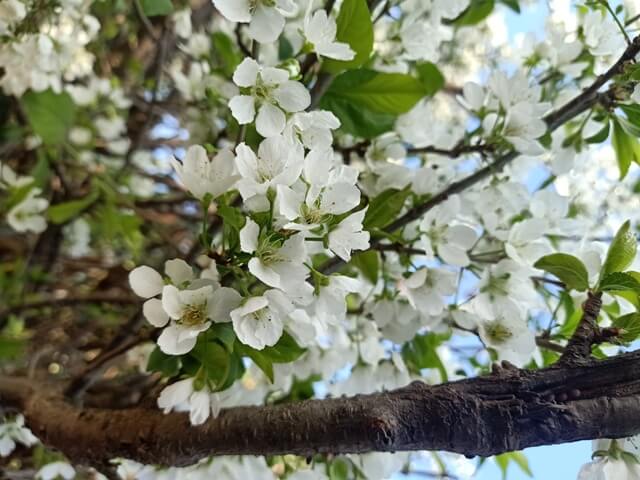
[270, 91]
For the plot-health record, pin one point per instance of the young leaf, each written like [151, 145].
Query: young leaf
[154, 8]
[63, 212]
[285, 351]
[421, 353]
[50, 114]
[368, 263]
[384, 208]
[355, 28]
[569, 269]
[630, 324]
[168, 365]
[477, 11]
[601, 135]
[625, 147]
[619, 281]
[622, 250]
[431, 77]
[392, 93]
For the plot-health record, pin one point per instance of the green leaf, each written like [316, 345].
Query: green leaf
[601, 135]
[226, 53]
[285, 351]
[477, 11]
[63, 212]
[630, 128]
[630, 324]
[168, 365]
[431, 77]
[619, 281]
[154, 8]
[214, 359]
[622, 250]
[357, 120]
[632, 112]
[355, 28]
[368, 263]
[339, 470]
[421, 353]
[569, 269]
[384, 208]
[512, 4]
[503, 460]
[392, 93]
[625, 146]
[223, 333]
[50, 114]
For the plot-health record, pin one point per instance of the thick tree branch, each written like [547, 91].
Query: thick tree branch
[512, 410]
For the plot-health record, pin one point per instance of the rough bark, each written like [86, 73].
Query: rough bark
[511, 410]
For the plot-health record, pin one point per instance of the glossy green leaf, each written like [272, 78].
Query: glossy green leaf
[214, 359]
[421, 352]
[154, 8]
[601, 135]
[354, 27]
[286, 350]
[626, 147]
[384, 208]
[622, 250]
[63, 212]
[368, 263]
[477, 11]
[357, 120]
[630, 324]
[168, 365]
[50, 114]
[391, 93]
[431, 77]
[619, 281]
[339, 469]
[567, 268]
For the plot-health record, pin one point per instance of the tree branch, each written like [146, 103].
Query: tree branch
[484, 416]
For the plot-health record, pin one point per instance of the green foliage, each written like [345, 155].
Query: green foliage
[420, 352]
[339, 469]
[155, 8]
[214, 359]
[367, 102]
[630, 325]
[368, 263]
[384, 208]
[168, 365]
[285, 351]
[63, 212]
[431, 77]
[619, 281]
[477, 11]
[569, 269]
[226, 53]
[622, 251]
[355, 28]
[518, 458]
[393, 93]
[50, 114]
[601, 135]
[626, 147]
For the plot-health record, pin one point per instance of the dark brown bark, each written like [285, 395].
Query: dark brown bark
[483, 416]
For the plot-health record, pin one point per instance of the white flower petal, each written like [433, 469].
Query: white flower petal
[270, 121]
[154, 313]
[145, 281]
